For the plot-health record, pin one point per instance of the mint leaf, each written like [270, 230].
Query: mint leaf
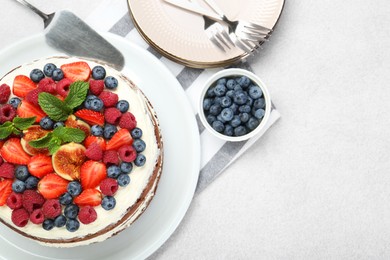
[77, 93]
[67, 134]
[23, 123]
[6, 129]
[54, 107]
[41, 142]
[54, 145]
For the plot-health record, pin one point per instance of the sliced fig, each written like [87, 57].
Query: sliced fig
[34, 132]
[73, 122]
[68, 159]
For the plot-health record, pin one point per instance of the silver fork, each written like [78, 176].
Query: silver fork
[46, 17]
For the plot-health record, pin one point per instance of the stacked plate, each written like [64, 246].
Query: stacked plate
[179, 35]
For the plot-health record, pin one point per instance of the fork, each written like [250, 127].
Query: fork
[46, 17]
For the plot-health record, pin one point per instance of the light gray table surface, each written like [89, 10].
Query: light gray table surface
[317, 184]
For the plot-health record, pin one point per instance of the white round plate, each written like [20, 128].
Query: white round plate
[181, 159]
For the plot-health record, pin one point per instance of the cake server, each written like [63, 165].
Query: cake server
[66, 32]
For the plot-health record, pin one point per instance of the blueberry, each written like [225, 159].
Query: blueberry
[108, 202]
[72, 225]
[14, 102]
[71, 211]
[252, 123]
[227, 114]
[60, 221]
[139, 145]
[255, 92]
[236, 121]
[48, 69]
[210, 93]
[249, 102]
[230, 93]
[36, 75]
[21, 173]
[217, 100]
[46, 123]
[237, 87]
[240, 130]
[126, 167]
[123, 106]
[219, 118]
[95, 104]
[220, 90]
[234, 107]
[244, 109]
[230, 84]
[18, 186]
[210, 119]
[58, 74]
[218, 126]
[88, 101]
[215, 109]
[244, 81]
[48, 224]
[140, 160]
[244, 117]
[109, 131]
[226, 101]
[58, 124]
[31, 182]
[222, 81]
[259, 103]
[111, 82]
[207, 102]
[123, 180]
[98, 72]
[97, 130]
[240, 97]
[74, 188]
[136, 133]
[66, 199]
[259, 113]
[228, 130]
[113, 171]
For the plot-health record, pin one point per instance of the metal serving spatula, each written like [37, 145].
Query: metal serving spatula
[66, 32]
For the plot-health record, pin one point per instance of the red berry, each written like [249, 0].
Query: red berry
[20, 217]
[12, 151]
[15, 201]
[92, 173]
[51, 208]
[112, 115]
[94, 152]
[48, 85]
[96, 86]
[110, 157]
[75, 71]
[7, 113]
[109, 98]
[32, 96]
[63, 86]
[120, 138]
[22, 85]
[128, 121]
[109, 186]
[5, 92]
[37, 216]
[87, 215]
[32, 200]
[127, 153]
[7, 170]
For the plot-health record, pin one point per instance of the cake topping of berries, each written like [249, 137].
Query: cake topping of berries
[15, 200]
[5, 190]
[7, 170]
[37, 216]
[52, 186]
[51, 208]
[92, 173]
[109, 186]
[20, 217]
[89, 197]
[32, 200]
[5, 92]
[87, 215]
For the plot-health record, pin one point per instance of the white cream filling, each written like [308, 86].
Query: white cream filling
[126, 196]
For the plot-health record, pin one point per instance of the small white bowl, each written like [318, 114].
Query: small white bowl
[230, 73]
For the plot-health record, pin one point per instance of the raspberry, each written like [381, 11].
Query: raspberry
[37, 216]
[63, 86]
[14, 201]
[109, 99]
[48, 85]
[5, 92]
[110, 156]
[20, 217]
[7, 170]
[32, 96]
[108, 186]
[112, 115]
[94, 152]
[1, 160]
[32, 200]
[7, 113]
[51, 208]
[127, 153]
[96, 86]
[87, 215]
[128, 121]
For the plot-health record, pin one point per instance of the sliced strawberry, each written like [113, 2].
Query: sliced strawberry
[5, 190]
[95, 139]
[27, 109]
[22, 85]
[40, 165]
[77, 71]
[12, 151]
[119, 139]
[89, 197]
[90, 116]
[92, 173]
[52, 186]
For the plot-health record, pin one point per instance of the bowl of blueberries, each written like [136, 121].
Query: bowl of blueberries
[234, 105]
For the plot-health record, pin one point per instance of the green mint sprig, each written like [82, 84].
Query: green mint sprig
[59, 110]
[55, 139]
[17, 125]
